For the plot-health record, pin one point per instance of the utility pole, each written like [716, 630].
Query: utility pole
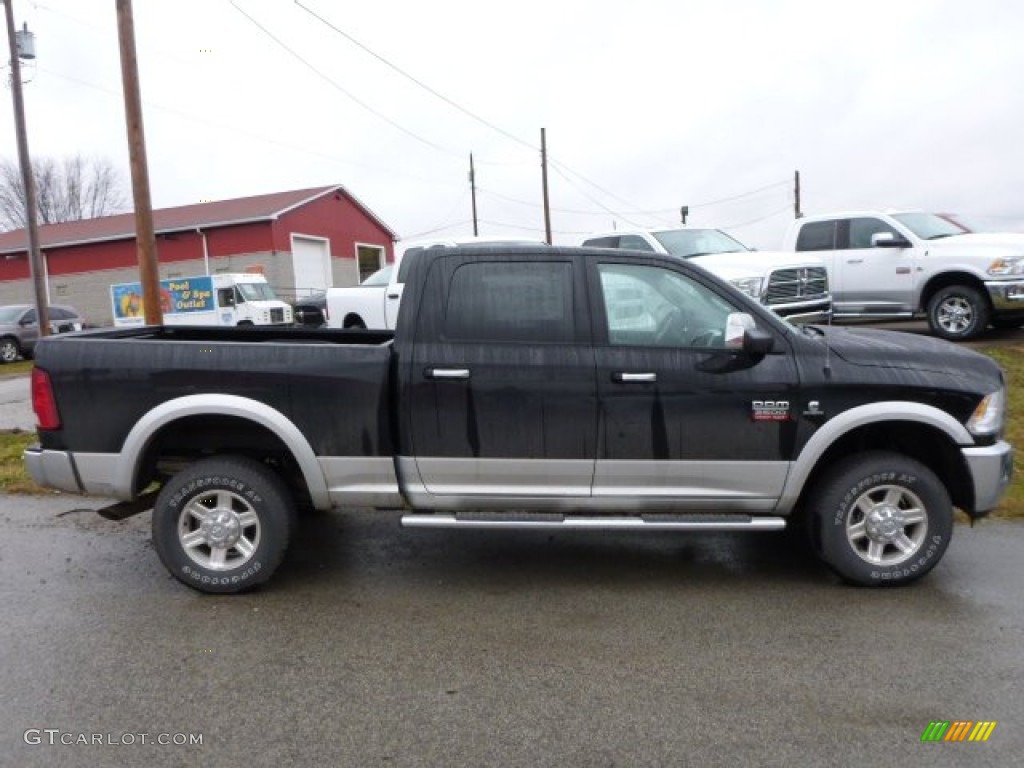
[28, 180]
[472, 187]
[544, 178]
[144, 235]
[797, 213]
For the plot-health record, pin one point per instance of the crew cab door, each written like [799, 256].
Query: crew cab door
[502, 395]
[865, 279]
[874, 279]
[683, 420]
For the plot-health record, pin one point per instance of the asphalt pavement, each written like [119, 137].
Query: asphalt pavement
[378, 646]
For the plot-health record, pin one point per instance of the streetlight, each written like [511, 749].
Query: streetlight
[22, 45]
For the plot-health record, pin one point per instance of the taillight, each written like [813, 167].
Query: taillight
[42, 400]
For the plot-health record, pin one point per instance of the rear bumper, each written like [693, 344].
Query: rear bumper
[991, 468]
[52, 469]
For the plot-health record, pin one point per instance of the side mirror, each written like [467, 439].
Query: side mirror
[742, 334]
[888, 240]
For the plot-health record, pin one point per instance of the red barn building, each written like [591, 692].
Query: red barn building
[302, 241]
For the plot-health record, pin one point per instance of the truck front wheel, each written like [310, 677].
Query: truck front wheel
[958, 312]
[223, 524]
[880, 518]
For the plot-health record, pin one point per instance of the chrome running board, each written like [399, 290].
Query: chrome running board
[644, 523]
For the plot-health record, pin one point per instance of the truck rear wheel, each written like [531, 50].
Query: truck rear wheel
[880, 518]
[223, 524]
[958, 312]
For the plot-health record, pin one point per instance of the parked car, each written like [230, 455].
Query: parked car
[906, 264]
[19, 328]
[311, 311]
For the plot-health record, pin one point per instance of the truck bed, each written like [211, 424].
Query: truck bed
[332, 384]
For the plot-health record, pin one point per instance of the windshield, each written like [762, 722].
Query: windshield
[10, 314]
[381, 277]
[687, 243]
[928, 226]
[256, 292]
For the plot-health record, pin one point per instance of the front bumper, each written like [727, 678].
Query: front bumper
[1006, 295]
[52, 469]
[991, 468]
[819, 308]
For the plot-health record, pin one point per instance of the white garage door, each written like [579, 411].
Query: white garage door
[311, 260]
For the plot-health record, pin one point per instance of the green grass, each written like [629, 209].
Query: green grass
[14, 478]
[15, 369]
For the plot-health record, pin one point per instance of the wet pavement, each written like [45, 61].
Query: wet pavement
[378, 646]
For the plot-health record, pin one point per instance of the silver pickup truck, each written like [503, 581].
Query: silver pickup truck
[911, 263]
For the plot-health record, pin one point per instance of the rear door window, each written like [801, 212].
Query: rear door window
[817, 236]
[528, 302]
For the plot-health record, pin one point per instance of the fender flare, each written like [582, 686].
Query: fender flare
[860, 416]
[219, 405]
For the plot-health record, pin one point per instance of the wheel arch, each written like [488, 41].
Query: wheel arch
[922, 432]
[945, 279]
[142, 443]
[353, 320]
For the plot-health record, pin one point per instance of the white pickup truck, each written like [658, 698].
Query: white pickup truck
[374, 302]
[912, 263]
[791, 286]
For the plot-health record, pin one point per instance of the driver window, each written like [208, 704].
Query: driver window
[861, 231]
[655, 307]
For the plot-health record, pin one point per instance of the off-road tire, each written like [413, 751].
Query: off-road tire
[879, 518]
[223, 524]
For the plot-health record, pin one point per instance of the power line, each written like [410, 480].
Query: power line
[418, 82]
[596, 202]
[243, 132]
[339, 88]
[787, 207]
[469, 113]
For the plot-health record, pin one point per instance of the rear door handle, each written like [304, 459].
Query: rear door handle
[855, 261]
[625, 376]
[447, 373]
[394, 295]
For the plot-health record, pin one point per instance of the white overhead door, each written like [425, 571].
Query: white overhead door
[311, 260]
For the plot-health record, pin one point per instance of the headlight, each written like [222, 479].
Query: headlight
[749, 285]
[988, 417]
[1005, 267]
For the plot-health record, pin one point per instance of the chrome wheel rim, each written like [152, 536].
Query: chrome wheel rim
[219, 531]
[8, 352]
[955, 314]
[887, 525]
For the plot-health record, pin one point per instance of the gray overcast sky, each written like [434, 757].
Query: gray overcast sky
[648, 105]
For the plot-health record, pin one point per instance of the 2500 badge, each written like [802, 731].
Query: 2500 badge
[770, 410]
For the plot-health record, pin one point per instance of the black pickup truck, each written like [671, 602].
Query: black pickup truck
[530, 387]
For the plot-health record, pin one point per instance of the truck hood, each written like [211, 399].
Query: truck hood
[897, 349]
[737, 264]
[990, 243]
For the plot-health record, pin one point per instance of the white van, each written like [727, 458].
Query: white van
[222, 299]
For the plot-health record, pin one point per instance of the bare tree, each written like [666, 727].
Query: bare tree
[66, 190]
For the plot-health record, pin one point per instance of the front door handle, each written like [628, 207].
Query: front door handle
[855, 261]
[447, 373]
[625, 376]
